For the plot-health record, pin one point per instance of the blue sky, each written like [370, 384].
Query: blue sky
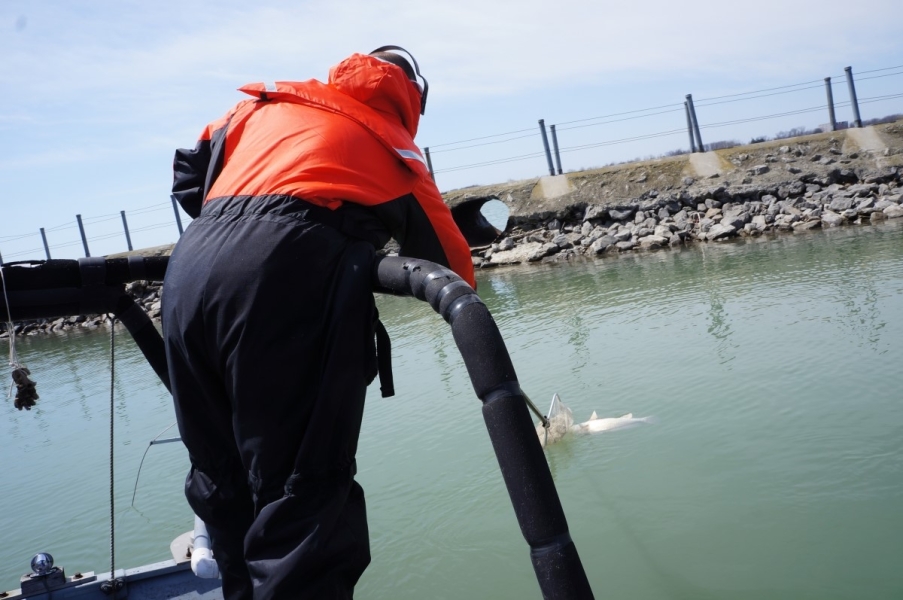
[96, 95]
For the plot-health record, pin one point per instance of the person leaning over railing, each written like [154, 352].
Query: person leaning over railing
[269, 318]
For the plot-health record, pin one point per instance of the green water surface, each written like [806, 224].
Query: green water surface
[773, 468]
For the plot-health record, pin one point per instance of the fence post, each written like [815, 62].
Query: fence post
[857, 122]
[555, 147]
[830, 103]
[46, 247]
[125, 225]
[699, 144]
[175, 209]
[429, 163]
[689, 126]
[545, 143]
[81, 228]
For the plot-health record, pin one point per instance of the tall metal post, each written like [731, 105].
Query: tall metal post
[699, 144]
[830, 93]
[175, 209]
[46, 247]
[81, 228]
[125, 225]
[689, 126]
[429, 163]
[545, 143]
[555, 147]
[857, 121]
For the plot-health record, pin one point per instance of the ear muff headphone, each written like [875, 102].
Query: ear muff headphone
[425, 88]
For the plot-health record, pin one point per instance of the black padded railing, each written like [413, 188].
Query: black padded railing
[87, 286]
[524, 468]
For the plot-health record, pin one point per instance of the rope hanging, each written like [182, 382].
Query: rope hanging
[114, 584]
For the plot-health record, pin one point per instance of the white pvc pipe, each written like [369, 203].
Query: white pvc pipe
[202, 562]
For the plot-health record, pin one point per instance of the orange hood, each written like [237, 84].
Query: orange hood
[380, 85]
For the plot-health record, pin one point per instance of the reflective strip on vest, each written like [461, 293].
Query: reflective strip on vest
[410, 154]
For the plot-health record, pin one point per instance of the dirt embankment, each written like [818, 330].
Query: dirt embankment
[739, 169]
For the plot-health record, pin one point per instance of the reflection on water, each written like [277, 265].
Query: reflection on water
[774, 468]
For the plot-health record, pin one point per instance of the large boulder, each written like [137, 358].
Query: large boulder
[625, 246]
[602, 244]
[759, 222]
[831, 219]
[720, 231]
[651, 242]
[840, 204]
[806, 225]
[519, 254]
[595, 211]
[621, 214]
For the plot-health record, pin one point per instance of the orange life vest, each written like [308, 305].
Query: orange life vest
[350, 140]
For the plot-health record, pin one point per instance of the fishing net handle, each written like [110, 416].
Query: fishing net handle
[522, 462]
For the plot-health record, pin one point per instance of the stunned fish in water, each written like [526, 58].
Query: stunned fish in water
[598, 425]
[561, 423]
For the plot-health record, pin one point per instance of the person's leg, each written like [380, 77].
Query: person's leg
[216, 487]
[225, 506]
[286, 320]
[312, 543]
[310, 536]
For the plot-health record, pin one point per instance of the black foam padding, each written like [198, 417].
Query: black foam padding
[390, 276]
[449, 294]
[54, 303]
[560, 573]
[134, 268]
[40, 304]
[482, 348]
[58, 274]
[94, 293]
[41, 274]
[524, 469]
[428, 283]
[146, 336]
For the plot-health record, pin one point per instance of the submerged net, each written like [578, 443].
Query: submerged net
[560, 421]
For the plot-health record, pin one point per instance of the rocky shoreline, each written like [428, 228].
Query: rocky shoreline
[797, 184]
[712, 214]
[701, 215]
